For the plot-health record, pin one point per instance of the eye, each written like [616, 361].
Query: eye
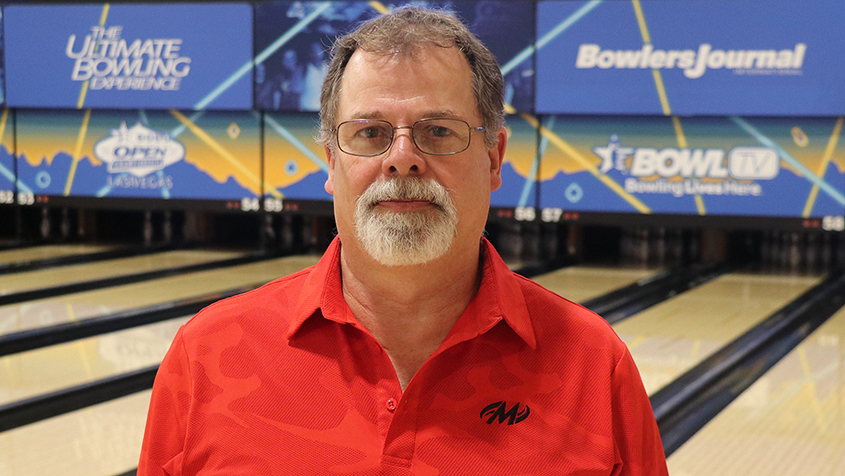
[372, 131]
[440, 131]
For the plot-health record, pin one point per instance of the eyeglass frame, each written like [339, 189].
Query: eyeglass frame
[470, 128]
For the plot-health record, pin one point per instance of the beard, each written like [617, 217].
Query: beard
[410, 237]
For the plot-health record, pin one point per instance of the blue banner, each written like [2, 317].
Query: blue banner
[202, 155]
[691, 57]
[188, 56]
[740, 166]
[2, 62]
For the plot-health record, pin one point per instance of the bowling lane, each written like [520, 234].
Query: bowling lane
[580, 283]
[40, 371]
[38, 313]
[668, 339]
[102, 440]
[105, 439]
[791, 422]
[43, 278]
[48, 251]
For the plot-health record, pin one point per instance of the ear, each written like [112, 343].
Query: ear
[330, 181]
[497, 155]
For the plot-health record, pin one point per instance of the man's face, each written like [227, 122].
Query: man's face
[437, 83]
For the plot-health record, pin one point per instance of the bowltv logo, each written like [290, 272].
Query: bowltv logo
[500, 411]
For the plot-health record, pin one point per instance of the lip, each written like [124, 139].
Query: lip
[406, 205]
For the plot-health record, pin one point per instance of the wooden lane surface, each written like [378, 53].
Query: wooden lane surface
[670, 338]
[43, 278]
[102, 440]
[48, 251]
[78, 306]
[40, 371]
[791, 422]
[105, 439]
[580, 283]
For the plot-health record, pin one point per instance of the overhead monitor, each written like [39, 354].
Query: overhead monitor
[295, 168]
[292, 41]
[704, 166]
[129, 56]
[691, 57]
[141, 159]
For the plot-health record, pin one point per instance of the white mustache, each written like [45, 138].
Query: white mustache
[405, 189]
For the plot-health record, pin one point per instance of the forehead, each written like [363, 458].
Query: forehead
[407, 87]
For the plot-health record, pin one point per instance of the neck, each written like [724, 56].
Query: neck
[409, 309]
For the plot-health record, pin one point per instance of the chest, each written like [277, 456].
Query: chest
[338, 408]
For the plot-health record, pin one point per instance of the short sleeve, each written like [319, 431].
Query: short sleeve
[636, 437]
[164, 437]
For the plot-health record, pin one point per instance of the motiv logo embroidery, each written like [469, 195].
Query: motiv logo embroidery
[695, 63]
[500, 411]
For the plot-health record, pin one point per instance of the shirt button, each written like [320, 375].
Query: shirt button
[391, 405]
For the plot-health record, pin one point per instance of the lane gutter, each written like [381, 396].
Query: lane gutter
[684, 406]
[624, 302]
[112, 281]
[31, 410]
[43, 263]
[31, 339]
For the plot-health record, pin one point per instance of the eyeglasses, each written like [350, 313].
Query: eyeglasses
[371, 137]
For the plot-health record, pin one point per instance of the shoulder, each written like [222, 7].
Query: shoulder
[268, 305]
[560, 321]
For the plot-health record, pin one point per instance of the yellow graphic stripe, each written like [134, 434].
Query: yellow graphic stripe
[679, 131]
[638, 10]
[209, 141]
[104, 15]
[658, 79]
[379, 7]
[661, 92]
[572, 152]
[84, 91]
[828, 154]
[699, 204]
[77, 151]
[682, 143]
[3, 123]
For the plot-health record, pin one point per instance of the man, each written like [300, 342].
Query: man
[410, 349]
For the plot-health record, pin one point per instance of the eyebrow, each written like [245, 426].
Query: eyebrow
[434, 114]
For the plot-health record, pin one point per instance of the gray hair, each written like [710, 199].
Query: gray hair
[404, 32]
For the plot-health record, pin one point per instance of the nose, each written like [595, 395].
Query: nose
[403, 159]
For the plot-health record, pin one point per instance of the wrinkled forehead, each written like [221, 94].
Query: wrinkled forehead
[435, 77]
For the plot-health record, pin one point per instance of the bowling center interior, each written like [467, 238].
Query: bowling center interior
[697, 205]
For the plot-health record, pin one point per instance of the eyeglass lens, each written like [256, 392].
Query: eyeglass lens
[432, 136]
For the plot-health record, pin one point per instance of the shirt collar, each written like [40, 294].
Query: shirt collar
[499, 297]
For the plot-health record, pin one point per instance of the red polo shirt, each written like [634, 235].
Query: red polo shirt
[284, 380]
